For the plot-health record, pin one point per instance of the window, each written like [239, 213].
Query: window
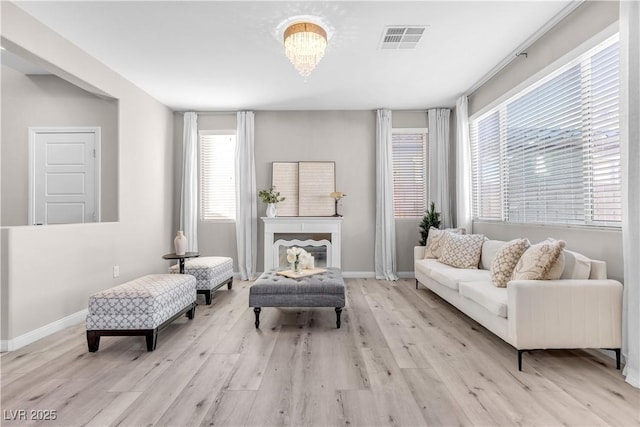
[551, 154]
[217, 176]
[409, 151]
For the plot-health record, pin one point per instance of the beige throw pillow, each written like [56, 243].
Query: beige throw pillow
[505, 261]
[462, 250]
[436, 239]
[555, 272]
[536, 262]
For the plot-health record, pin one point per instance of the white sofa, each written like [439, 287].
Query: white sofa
[530, 315]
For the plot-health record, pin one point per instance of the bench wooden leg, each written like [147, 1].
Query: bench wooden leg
[338, 313]
[93, 341]
[256, 311]
[152, 339]
[230, 284]
[191, 313]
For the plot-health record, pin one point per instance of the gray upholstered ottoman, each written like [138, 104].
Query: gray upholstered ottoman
[140, 307]
[320, 290]
[210, 272]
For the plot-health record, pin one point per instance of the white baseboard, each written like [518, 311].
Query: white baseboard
[46, 330]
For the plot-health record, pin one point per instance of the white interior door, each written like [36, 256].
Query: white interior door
[64, 176]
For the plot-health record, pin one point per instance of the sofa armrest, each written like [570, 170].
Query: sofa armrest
[565, 313]
[418, 252]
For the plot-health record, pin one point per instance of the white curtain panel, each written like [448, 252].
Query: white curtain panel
[630, 154]
[385, 239]
[463, 165]
[189, 191]
[246, 197]
[439, 163]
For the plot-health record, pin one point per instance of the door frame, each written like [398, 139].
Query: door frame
[33, 132]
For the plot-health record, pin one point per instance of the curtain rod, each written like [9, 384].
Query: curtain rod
[566, 11]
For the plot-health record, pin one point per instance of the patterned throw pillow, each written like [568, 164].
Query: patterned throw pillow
[536, 262]
[436, 239]
[462, 250]
[505, 261]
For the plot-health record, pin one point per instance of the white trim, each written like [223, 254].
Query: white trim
[97, 170]
[410, 130]
[566, 11]
[549, 69]
[44, 331]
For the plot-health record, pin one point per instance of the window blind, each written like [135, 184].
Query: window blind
[551, 154]
[409, 173]
[217, 177]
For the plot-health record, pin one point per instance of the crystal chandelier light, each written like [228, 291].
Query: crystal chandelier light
[304, 45]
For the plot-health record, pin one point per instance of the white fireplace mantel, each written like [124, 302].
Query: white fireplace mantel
[301, 225]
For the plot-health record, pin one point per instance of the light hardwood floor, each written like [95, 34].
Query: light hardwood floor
[403, 357]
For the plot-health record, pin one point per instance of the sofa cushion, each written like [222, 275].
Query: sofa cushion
[536, 262]
[435, 240]
[450, 276]
[555, 272]
[489, 250]
[505, 261]
[483, 292]
[576, 266]
[462, 251]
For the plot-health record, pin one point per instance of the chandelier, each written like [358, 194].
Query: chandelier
[304, 45]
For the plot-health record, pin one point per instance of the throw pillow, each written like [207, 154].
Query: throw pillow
[555, 272]
[577, 266]
[462, 250]
[505, 261]
[435, 240]
[536, 262]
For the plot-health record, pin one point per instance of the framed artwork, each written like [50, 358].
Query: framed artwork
[306, 187]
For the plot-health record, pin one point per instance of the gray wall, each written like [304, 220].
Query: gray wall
[585, 22]
[49, 272]
[47, 100]
[346, 137]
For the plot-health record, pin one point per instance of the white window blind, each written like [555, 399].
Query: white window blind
[217, 177]
[409, 150]
[551, 154]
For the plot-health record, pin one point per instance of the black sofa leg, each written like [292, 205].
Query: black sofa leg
[416, 283]
[617, 350]
[520, 359]
[338, 313]
[256, 311]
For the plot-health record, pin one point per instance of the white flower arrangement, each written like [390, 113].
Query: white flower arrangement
[297, 255]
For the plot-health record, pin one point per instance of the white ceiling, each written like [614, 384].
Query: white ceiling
[226, 55]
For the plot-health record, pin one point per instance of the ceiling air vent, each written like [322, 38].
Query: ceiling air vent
[398, 37]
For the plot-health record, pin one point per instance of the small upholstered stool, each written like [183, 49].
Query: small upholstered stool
[211, 273]
[143, 306]
[320, 290]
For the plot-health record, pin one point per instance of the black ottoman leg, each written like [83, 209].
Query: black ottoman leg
[152, 338]
[230, 284]
[256, 311]
[93, 341]
[207, 298]
[191, 313]
[338, 313]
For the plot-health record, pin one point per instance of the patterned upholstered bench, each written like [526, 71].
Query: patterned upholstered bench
[142, 306]
[210, 272]
[320, 290]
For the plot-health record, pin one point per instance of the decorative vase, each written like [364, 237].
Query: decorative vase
[180, 243]
[272, 210]
[296, 266]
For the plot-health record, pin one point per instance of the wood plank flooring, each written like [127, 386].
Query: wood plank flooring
[403, 357]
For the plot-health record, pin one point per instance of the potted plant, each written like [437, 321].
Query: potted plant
[271, 197]
[430, 219]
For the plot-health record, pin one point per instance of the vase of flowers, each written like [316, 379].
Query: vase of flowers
[297, 257]
[271, 197]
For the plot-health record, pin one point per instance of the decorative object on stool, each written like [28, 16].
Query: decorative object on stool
[180, 243]
[271, 197]
[297, 257]
[337, 195]
[430, 219]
